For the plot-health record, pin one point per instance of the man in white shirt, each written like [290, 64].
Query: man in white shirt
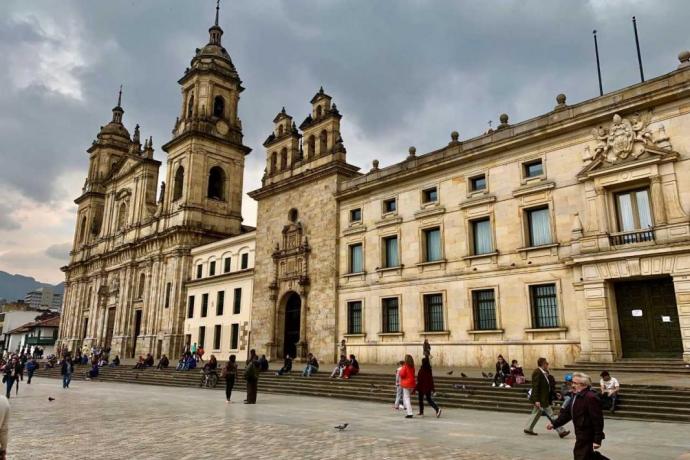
[609, 390]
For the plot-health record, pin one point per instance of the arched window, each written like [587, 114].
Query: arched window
[142, 282]
[280, 130]
[323, 142]
[190, 106]
[216, 183]
[179, 183]
[283, 158]
[218, 106]
[274, 162]
[311, 147]
[122, 216]
[82, 230]
[319, 112]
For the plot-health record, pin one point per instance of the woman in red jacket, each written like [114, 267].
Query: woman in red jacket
[425, 386]
[407, 383]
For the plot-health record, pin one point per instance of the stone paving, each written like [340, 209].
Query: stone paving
[121, 421]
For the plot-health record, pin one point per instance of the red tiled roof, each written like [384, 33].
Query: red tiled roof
[53, 321]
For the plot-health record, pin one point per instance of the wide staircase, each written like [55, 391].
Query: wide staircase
[638, 402]
[634, 365]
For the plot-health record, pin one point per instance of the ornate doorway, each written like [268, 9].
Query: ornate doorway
[110, 326]
[293, 308]
[648, 318]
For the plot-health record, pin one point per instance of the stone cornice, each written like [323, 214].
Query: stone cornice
[196, 133]
[672, 86]
[230, 276]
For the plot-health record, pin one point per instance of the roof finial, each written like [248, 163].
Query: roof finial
[217, 11]
[119, 97]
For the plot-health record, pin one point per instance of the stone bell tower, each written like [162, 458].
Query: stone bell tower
[206, 153]
[294, 304]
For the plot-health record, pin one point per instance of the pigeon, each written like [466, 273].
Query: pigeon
[341, 427]
[491, 375]
[50, 398]
[462, 374]
[484, 375]
[449, 372]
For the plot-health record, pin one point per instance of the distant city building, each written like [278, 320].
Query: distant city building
[44, 297]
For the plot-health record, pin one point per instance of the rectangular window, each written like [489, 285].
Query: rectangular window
[481, 237]
[478, 183]
[204, 305]
[199, 271]
[245, 261]
[391, 318]
[533, 168]
[202, 336]
[212, 268]
[354, 317]
[216, 337]
[484, 306]
[432, 244]
[168, 291]
[389, 205]
[190, 308]
[634, 211]
[356, 215]
[220, 302]
[234, 336]
[226, 264]
[544, 305]
[356, 262]
[433, 312]
[237, 304]
[430, 195]
[539, 226]
[390, 249]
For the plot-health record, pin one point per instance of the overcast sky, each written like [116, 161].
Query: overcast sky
[402, 73]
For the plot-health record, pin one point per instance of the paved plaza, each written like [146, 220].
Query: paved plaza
[125, 421]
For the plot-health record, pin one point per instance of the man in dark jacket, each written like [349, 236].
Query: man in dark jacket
[541, 398]
[585, 413]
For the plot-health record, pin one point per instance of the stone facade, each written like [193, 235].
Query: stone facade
[219, 297]
[125, 282]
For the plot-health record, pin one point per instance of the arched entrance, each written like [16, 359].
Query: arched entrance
[293, 308]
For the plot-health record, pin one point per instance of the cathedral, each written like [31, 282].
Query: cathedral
[566, 235]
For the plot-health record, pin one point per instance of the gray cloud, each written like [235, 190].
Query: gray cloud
[7, 222]
[59, 251]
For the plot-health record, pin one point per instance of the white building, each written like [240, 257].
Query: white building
[44, 297]
[219, 296]
[39, 333]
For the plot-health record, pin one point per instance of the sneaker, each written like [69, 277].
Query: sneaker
[438, 413]
[501, 385]
[563, 434]
[420, 415]
[529, 432]
[493, 384]
[506, 386]
[408, 416]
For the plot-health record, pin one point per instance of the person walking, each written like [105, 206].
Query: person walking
[541, 398]
[31, 367]
[407, 382]
[586, 415]
[229, 374]
[398, 388]
[66, 370]
[251, 375]
[12, 371]
[425, 386]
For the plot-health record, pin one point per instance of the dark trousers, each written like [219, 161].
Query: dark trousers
[229, 384]
[431, 402]
[583, 449]
[252, 388]
[8, 383]
[31, 374]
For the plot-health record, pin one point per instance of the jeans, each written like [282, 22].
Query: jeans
[338, 370]
[309, 370]
[406, 400]
[398, 396]
[66, 379]
[536, 414]
[8, 383]
[31, 374]
[229, 384]
[431, 402]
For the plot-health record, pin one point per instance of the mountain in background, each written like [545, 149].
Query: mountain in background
[13, 287]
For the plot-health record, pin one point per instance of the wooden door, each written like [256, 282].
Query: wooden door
[110, 326]
[648, 318]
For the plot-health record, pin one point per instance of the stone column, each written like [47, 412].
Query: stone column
[681, 284]
[600, 323]
[657, 196]
[302, 346]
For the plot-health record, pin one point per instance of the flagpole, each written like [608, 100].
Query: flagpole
[637, 44]
[596, 51]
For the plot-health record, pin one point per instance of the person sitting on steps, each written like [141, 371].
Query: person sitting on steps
[609, 391]
[263, 364]
[502, 372]
[340, 368]
[287, 365]
[163, 363]
[312, 366]
[352, 368]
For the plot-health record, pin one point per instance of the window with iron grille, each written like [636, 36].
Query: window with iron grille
[220, 302]
[433, 312]
[226, 264]
[544, 305]
[484, 305]
[216, 337]
[354, 317]
[391, 316]
[237, 303]
[204, 305]
[234, 336]
[190, 308]
[212, 268]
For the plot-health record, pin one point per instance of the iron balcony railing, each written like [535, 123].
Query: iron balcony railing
[637, 236]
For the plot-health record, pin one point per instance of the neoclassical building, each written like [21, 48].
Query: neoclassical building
[566, 235]
[125, 282]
